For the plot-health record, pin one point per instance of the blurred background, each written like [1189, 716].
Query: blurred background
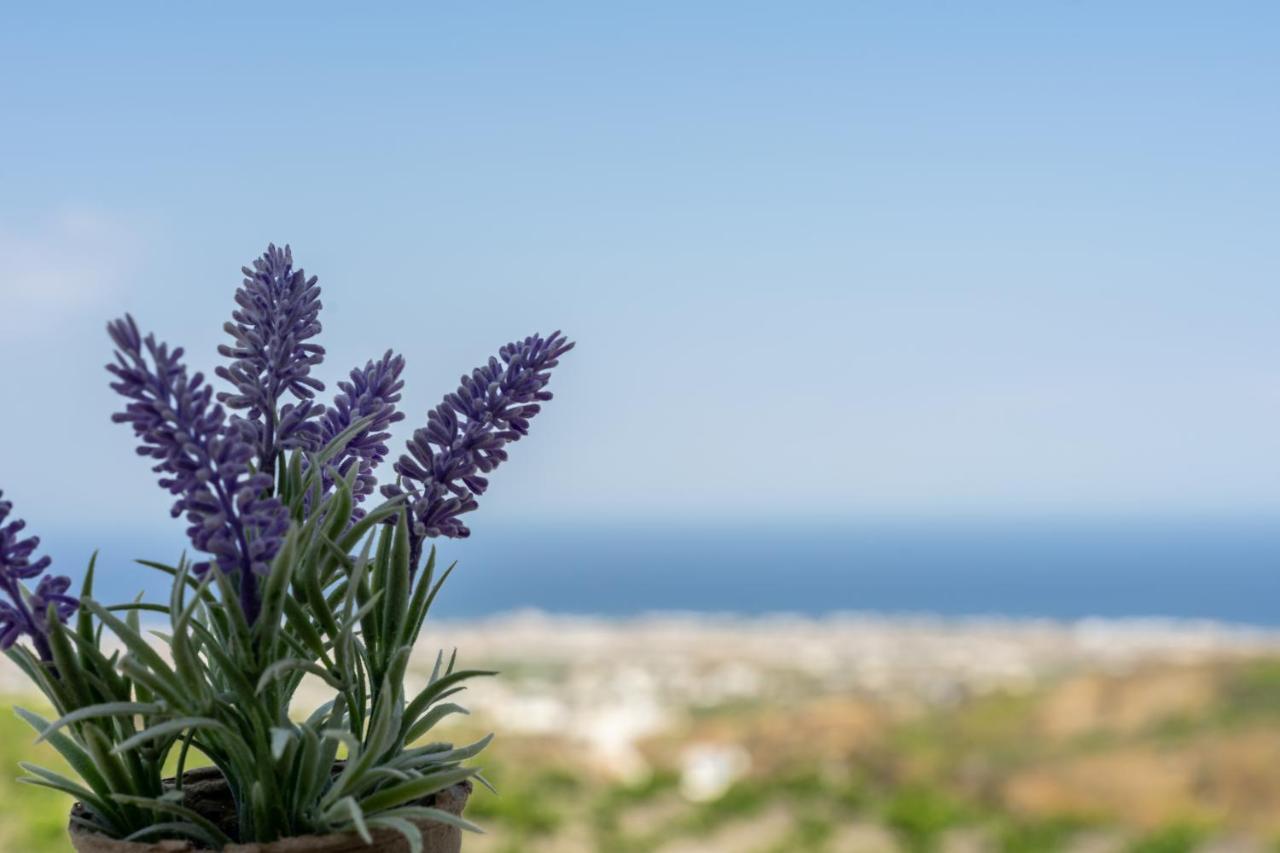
[913, 485]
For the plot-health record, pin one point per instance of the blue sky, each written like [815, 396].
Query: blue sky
[822, 260]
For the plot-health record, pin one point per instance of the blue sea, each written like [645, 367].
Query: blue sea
[1226, 570]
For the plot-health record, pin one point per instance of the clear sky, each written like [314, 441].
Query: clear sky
[821, 259]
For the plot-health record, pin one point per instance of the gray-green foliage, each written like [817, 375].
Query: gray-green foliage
[342, 603]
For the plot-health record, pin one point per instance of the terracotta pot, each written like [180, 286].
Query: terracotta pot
[206, 792]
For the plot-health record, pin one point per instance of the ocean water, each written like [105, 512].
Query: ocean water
[1226, 570]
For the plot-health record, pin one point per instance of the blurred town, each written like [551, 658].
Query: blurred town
[676, 734]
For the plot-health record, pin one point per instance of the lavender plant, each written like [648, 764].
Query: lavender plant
[293, 578]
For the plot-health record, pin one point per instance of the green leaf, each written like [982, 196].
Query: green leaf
[339, 442]
[435, 689]
[372, 518]
[149, 685]
[427, 813]
[145, 606]
[276, 589]
[288, 665]
[84, 619]
[313, 592]
[172, 808]
[291, 492]
[173, 571]
[418, 606]
[377, 581]
[435, 590]
[412, 834]
[280, 738]
[166, 680]
[352, 808]
[382, 730]
[395, 602]
[169, 829]
[65, 658]
[105, 709]
[407, 792]
[431, 719]
[300, 623]
[169, 728]
[102, 669]
[189, 665]
[339, 508]
[228, 669]
[105, 809]
[479, 777]
[78, 758]
[238, 632]
[429, 756]
[39, 675]
[312, 773]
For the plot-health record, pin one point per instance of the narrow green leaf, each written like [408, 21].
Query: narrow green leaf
[145, 606]
[418, 606]
[340, 441]
[177, 810]
[352, 808]
[428, 813]
[276, 589]
[339, 508]
[412, 835]
[429, 756]
[84, 619]
[435, 590]
[105, 709]
[138, 645]
[372, 518]
[288, 665]
[300, 623]
[170, 829]
[169, 728]
[431, 719]
[188, 664]
[65, 658]
[395, 602]
[407, 792]
[433, 691]
[48, 779]
[74, 755]
[280, 738]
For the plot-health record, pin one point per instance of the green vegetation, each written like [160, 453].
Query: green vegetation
[921, 814]
[1038, 836]
[923, 781]
[1178, 838]
[1253, 691]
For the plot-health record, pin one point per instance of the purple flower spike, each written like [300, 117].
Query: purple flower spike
[372, 392]
[466, 434]
[201, 458]
[278, 313]
[19, 616]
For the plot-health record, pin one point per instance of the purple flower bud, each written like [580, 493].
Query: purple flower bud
[203, 460]
[52, 589]
[19, 616]
[466, 434]
[278, 313]
[371, 392]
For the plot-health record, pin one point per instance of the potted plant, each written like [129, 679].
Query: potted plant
[297, 574]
